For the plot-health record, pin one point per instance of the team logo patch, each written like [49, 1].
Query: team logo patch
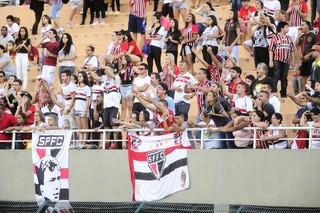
[135, 143]
[156, 162]
[316, 30]
[309, 39]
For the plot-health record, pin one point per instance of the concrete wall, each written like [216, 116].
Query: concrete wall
[261, 177]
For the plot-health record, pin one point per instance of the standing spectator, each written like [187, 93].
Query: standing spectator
[115, 12]
[315, 7]
[205, 11]
[169, 73]
[262, 35]
[126, 75]
[167, 9]
[182, 103]
[46, 26]
[25, 106]
[179, 7]
[155, 34]
[140, 84]
[11, 52]
[81, 106]
[209, 39]
[162, 94]
[5, 37]
[275, 138]
[91, 61]
[67, 54]
[297, 11]
[22, 47]
[281, 49]
[173, 39]
[50, 56]
[75, 4]
[188, 38]
[15, 96]
[37, 7]
[6, 120]
[100, 11]
[96, 89]
[97, 118]
[273, 100]
[88, 4]
[56, 6]
[306, 39]
[262, 78]
[137, 20]
[12, 26]
[242, 102]
[245, 14]
[6, 63]
[232, 34]
[33, 56]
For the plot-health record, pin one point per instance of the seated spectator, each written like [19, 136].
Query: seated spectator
[39, 122]
[205, 11]
[5, 37]
[6, 120]
[33, 56]
[133, 50]
[162, 94]
[11, 52]
[20, 137]
[2, 83]
[274, 137]
[12, 26]
[144, 122]
[315, 122]
[25, 106]
[273, 100]
[6, 62]
[262, 103]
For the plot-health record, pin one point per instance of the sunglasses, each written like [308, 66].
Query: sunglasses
[1, 76]
[140, 68]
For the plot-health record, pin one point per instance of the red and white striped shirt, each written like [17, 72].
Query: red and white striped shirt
[295, 18]
[282, 47]
[201, 96]
[138, 7]
[188, 33]
[168, 78]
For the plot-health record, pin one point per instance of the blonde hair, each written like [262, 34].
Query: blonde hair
[171, 58]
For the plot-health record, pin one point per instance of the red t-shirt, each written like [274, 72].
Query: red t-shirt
[53, 48]
[30, 118]
[6, 121]
[136, 50]
[158, 117]
[244, 14]
[34, 53]
[124, 47]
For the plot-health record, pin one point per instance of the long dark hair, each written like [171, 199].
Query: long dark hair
[26, 35]
[210, 5]
[159, 21]
[193, 19]
[128, 59]
[48, 18]
[66, 47]
[128, 34]
[176, 25]
[85, 77]
[235, 15]
[214, 20]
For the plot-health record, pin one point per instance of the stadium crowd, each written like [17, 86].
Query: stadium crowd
[278, 37]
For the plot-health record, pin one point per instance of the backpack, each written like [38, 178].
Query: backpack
[65, 1]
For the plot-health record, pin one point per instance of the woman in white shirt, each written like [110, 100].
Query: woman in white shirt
[155, 34]
[275, 138]
[67, 54]
[209, 38]
[46, 26]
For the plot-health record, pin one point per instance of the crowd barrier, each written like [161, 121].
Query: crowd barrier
[103, 132]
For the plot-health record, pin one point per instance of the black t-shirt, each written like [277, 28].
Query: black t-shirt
[269, 109]
[256, 86]
[217, 109]
[20, 41]
[175, 36]
[231, 31]
[306, 42]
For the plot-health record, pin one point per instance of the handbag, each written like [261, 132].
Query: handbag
[146, 49]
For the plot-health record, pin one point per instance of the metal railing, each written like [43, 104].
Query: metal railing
[103, 132]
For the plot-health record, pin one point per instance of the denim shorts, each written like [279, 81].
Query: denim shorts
[125, 91]
[182, 6]
[79, 113]
[55, 8]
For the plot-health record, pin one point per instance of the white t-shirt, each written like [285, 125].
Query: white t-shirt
[111, 87]
[271, 6]
[139, 82]
[315, 134]
[244, 104]
[45, 31]
[81, 97]
[5, 40]
[181, 81]
[281, 145]
[157, 43]
[68, 63]
[275, 102]
[91, 62]
[13, 29]
[95, 89]
[210, 41]
[67, 91]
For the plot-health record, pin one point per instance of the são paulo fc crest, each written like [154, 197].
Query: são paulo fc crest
[156, 162]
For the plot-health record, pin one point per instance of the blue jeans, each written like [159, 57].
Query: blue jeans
[281, 70]
[183, 107]
[227, 144]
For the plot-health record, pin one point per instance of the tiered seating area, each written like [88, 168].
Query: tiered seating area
[99, 36]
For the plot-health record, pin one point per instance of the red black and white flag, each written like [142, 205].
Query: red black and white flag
[50, 154]
[158, 165]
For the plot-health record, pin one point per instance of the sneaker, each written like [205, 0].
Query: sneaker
[95, 23]
[117, 13]
[103, 23]
[111, 13]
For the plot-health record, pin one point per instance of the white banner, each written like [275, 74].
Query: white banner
[50, 154]
[158, 165]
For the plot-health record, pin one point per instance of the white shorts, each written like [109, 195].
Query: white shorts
[248, 43]
[48, 73]
[76, 3]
